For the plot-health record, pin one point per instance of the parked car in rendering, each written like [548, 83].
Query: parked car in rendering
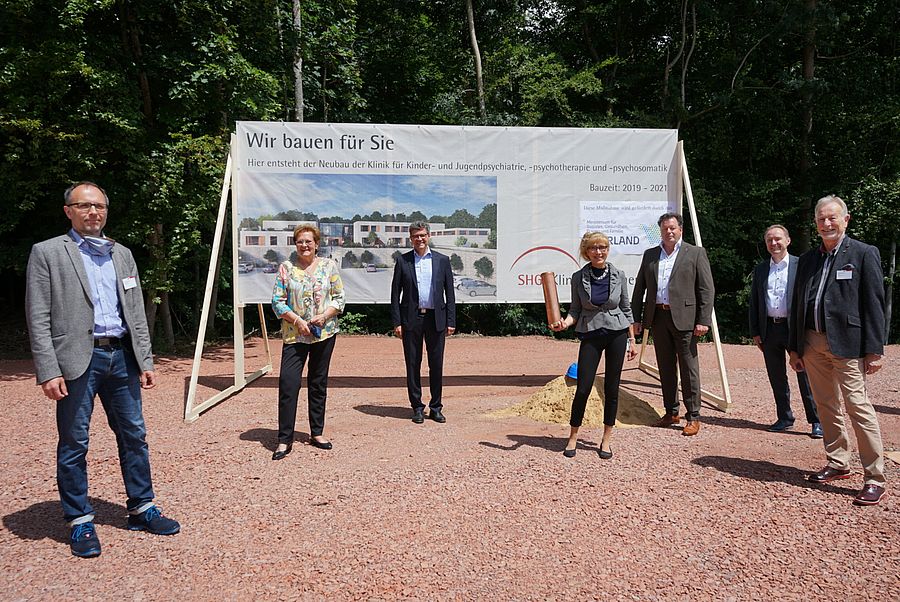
[459, 281]
[270, 268]
[245, 268]
[476, 288]
[371, 267]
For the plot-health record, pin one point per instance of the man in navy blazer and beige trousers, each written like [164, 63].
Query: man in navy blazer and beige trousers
[423, 308]
[770, 306]
[837, 337]
[89, 338]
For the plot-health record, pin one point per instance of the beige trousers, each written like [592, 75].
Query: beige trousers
[830, 378]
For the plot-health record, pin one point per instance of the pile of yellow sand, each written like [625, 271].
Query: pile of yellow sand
[553, 404]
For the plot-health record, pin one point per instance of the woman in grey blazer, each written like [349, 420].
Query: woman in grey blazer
[601, 314]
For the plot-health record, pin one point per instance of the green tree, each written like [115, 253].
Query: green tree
[350, 260]
[456, 263]
[484, 267]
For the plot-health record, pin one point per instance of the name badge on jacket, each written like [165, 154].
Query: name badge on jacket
[129, 282]
[845, 273]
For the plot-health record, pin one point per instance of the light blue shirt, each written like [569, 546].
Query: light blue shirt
[664, 273]
[423, 280]
[102, 277]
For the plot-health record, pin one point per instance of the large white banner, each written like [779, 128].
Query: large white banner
[505, 204]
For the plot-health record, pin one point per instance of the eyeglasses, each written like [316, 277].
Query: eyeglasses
[86, 207]
[305, 243]
[598, 249]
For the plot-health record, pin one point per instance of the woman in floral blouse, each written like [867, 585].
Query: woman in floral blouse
[308, 297]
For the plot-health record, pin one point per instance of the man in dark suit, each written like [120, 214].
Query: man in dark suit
[837, 336]
[423, 308]
[678, 281]
[89, 338]
[770, 305]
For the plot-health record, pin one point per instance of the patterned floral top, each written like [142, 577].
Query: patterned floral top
[307, 295]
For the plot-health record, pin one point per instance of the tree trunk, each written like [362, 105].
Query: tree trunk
[166, 316]
[479, 82]
[669, 64]
[586, 31]
[284, 87]
[806, 160]
[132, 41]
[298, 65]
[686, 61]
[150, 312]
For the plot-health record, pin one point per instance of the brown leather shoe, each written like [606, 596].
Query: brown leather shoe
[668, 420]
[828, 474]
[870, 495]
[692, 428]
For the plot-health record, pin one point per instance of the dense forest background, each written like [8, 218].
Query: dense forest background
[778, 104]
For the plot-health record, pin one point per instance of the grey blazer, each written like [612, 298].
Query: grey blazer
[615, 314]
[60, 312]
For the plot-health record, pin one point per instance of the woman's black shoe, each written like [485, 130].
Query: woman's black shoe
[569, 453]
[279, 455]
[605, 455]
[320, 444]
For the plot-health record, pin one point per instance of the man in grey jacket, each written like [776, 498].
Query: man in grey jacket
[89, 338]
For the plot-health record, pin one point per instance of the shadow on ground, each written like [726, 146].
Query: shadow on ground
[766, 472]
[400, 412]
[553, 444]
[43, 520]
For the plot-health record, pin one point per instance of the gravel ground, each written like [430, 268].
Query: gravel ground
[481, 507]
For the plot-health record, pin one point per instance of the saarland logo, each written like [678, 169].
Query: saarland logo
[535, 279]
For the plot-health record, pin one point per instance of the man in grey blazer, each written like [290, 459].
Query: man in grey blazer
[769, 312]
[89, 338]
[677, 279]
[837, 337]
[423, 308]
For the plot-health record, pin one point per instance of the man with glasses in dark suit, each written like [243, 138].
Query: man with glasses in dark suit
[423, 309]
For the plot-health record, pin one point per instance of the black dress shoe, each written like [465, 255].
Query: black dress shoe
[570, 453]
[781, 426]
[437, 416]
[320, 444]
[418, 416]
[279, 455]
[605, 455]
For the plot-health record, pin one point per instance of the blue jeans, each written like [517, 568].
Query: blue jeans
[114, 375]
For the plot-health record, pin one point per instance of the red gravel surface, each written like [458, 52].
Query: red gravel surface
[478, 508]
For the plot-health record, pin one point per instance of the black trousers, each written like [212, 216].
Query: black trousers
[422, 329]
[293, 357]
[676, 351]
[774, 351]
[589, 353]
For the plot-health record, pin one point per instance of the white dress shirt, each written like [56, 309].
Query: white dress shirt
[776, 288]
[664, 272]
